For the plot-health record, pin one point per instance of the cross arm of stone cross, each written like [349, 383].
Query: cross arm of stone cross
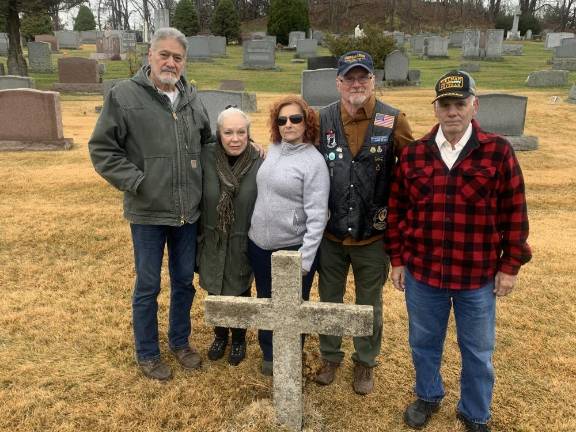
[288, 316]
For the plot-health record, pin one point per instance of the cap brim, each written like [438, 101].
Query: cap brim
[349, 68]
[456, 95]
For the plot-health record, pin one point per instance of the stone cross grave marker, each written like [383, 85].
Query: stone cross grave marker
[514, 34]
[288, 316]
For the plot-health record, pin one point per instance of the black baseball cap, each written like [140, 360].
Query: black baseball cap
[456, 84]
[354, 59]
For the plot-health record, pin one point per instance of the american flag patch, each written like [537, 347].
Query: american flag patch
[384, 120]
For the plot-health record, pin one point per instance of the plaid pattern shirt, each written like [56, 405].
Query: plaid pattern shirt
[456, 228]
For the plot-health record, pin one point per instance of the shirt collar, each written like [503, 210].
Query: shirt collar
[365, 112]
[441, 140]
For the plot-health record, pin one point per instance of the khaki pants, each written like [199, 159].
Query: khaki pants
[370, 266]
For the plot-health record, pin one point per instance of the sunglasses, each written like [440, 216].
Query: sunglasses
[294, 119]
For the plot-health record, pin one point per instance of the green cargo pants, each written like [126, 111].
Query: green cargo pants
[370, 266]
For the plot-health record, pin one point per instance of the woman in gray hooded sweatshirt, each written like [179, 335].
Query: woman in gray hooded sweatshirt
[291, 208]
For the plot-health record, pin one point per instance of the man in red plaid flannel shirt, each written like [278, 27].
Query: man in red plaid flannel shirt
[456, 236]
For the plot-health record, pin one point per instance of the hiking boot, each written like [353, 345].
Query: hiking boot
[363, 379]
[216, 351]
[155, 369]
[188, 357]
[326, 373]
[419, 412]
[471, 426]
[237, 353]
[267, 368]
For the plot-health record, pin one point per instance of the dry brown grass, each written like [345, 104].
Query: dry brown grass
[65, 331]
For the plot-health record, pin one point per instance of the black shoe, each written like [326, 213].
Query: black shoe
[419, 412]
[471, 426]
[237, 353]
[216, 351]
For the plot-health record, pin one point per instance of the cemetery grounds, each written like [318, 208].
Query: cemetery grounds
[67, 273]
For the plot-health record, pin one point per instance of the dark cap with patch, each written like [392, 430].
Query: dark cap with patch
[354, 59]
[456, 84]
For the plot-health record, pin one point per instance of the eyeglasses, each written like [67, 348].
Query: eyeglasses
[294, 119]
[349, 81]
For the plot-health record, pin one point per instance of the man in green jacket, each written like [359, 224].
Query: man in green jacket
[147, 143]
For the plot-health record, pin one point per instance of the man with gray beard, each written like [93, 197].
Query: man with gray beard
[359, 139]
[147, 143]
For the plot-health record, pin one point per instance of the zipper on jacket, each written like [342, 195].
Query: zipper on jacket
[178, 163]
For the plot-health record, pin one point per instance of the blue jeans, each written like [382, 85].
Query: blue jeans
[261, 262]
[149, 242]
[475, 314]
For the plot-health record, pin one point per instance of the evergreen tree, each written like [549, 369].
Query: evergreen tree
[225, 21]
[285, 16]
[186, 18]
[35, 24]
[85, 19]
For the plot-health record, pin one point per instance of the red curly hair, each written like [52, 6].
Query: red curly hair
[311, 127]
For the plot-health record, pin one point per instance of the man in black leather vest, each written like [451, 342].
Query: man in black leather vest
[359, 138]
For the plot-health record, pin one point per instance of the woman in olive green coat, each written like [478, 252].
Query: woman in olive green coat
[228, 197]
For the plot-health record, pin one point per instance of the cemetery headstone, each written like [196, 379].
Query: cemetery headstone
[68, 39]
[217, 46]
[306, 48]
[2, 71]
[318, 36]
[417, 44]
[322, 62]
[512, 49]
[40, 112]
[161, 18]
[494, 39]
[3, 44]
[396, 66]
[216, 101]
[198, 49]
[51, 39]
[294, 37]
[547, 78]
[470, 67]
[414, 76]
[40, 57]
[572, 95]
[555, 39]
[318, 87]
[259, 54]
[90, 36]
[8, 82]
[471, 44]
[514, 34]
[528, 35]
[128, 42]
[76, 74]
[288, 316]
[505, 115]
[436, 47]
[233, 85]
[456, 39]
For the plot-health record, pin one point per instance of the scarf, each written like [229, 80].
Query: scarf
[230, 178]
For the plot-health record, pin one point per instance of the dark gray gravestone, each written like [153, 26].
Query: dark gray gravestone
[471, 44]
[288, 316]
[233, 85]
[198, 49]
[572, 95]
[494, 39]
[436, 47]
[306, 48]
[566, 64]
[414, 76]
[396, 66]
[40, 57]
[512, 49]
[318, 35]
[456, 39]
[547, 78]
[259, 54]
[505, 115]
[322, 62]
[565, 51]
[217, 46]
[68, 39]
[319, 87]
[8, 82]
[417, 43]
[90, 36]
[216, 101]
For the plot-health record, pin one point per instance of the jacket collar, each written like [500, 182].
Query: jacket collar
[187, 92]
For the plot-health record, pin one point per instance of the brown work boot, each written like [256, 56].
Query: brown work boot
[155, 369]
[188, 357]
[363, 379]
[327, 372]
